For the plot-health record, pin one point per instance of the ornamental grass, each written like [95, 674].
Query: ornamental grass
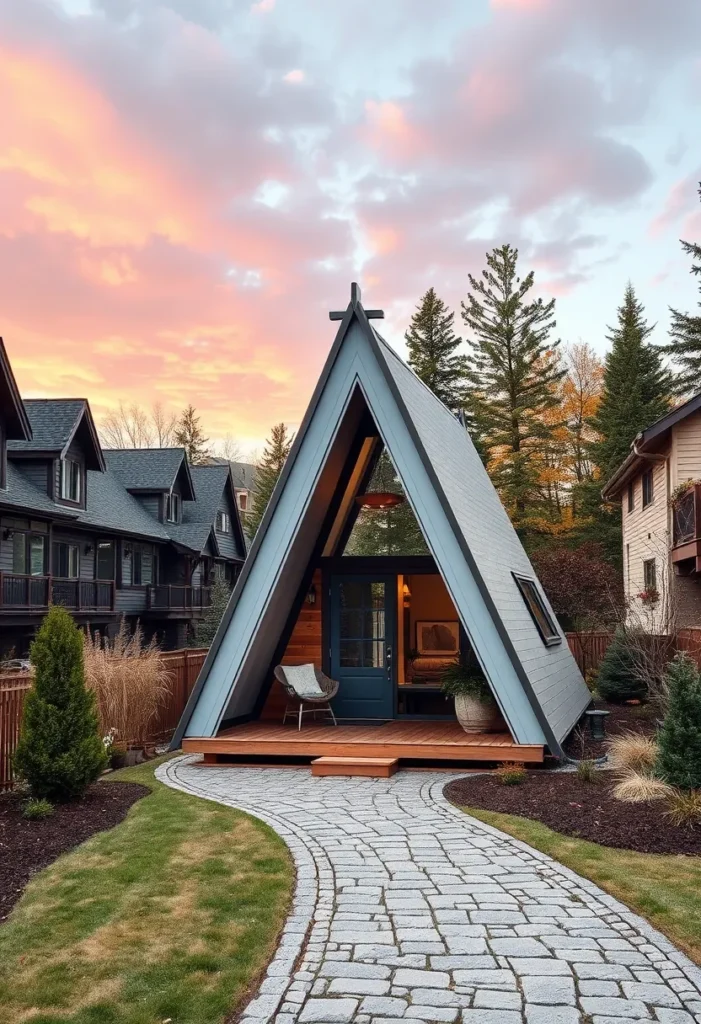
[130, 682]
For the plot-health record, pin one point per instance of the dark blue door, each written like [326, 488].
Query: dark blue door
[363, 614]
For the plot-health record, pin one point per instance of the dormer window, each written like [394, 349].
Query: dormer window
[70, 480]
[223, 522]
[173, 507]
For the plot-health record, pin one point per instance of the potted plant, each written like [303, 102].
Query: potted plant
[475, 707]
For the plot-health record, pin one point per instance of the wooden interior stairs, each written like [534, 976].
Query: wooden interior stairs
[374, 767]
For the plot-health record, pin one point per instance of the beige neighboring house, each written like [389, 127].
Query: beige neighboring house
[659, 486]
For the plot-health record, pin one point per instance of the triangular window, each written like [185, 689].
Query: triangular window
[388, 531]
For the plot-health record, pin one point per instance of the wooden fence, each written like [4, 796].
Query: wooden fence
[588, 648]
[13, 689]
[183, 667]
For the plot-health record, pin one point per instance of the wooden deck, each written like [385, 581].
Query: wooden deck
[428, 741]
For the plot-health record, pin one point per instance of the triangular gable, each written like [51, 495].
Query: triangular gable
[539, 688]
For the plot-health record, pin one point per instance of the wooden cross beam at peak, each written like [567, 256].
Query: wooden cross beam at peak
[371, 314]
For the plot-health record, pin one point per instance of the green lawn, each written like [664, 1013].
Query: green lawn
[666, 890]
[170, 915]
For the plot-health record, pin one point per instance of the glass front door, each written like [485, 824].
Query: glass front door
[362, 628]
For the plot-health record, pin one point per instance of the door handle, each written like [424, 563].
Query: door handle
[389, 655]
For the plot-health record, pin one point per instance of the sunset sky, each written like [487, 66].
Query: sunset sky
[188, 186]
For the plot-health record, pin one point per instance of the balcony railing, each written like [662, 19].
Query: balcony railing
[176, 597]
[684, 517]
[36, 593]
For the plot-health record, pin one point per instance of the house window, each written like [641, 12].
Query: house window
[142, 566]
[66, 559]
[223, 522]
[649, 574]
[19, 553]
[28, 554]
[242, 500]
[104, 560]
[539, 613]
[173, 507]
[70, 480]
[631, 496]
[648, 493]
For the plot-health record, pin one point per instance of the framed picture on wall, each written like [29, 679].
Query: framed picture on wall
[438, 638]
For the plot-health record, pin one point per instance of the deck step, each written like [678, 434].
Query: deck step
[375, 767]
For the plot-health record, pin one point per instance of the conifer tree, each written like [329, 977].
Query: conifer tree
[275, 453]
[60, 751]
[205, 630]
[685, 334]
[190, 436]
[618, 680]
[679, 758]
[636, 387]
[513, 373]
[432, 345]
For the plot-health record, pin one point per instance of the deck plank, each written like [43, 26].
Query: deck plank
[409, 740]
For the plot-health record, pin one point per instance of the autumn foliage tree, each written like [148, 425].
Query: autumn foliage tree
[583, 589]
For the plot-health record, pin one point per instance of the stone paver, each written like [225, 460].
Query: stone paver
[407, 909]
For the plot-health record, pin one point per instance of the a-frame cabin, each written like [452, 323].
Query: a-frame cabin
[376, 621]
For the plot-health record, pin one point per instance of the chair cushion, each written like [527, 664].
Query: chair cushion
[303, 681]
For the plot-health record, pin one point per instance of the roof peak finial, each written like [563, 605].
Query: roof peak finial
[355, 303]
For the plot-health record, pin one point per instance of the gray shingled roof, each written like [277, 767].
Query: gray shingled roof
[21, 493]
[112, 507]
[145, 469]
[493, 544]
[53, 422]
[199, 516]
[244, 475]
[17, 426]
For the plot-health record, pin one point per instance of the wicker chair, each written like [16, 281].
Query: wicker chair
[328, 686]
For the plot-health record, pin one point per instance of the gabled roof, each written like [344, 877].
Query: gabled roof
[17, 426]
[538, 687]
[111, 507]
[55, 423]
[199, 516]
[649, 440]
[151, 469]
[244, 475]
[21, 493]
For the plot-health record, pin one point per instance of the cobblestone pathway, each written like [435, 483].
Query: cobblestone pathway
[407, 908]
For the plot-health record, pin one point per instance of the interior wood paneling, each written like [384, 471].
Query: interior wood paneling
[304, 647]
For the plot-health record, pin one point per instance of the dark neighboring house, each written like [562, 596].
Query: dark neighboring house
[244, 477]
[107, 534]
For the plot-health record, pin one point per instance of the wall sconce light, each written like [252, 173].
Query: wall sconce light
[87, 550]
[311, 595]
[407, 595]
[127, 550]
[7, 533]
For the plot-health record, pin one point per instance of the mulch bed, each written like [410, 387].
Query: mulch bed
[28, 846]
[621, 718]
[585, 810]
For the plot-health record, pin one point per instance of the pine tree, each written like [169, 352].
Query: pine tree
[275, 453]
[392, 531]
[685, 332]
[190, 436]
[431, 342]
[636, 387]
[205, 630]
[679, 758]
[513, 375]
[617, 680]
[60, 751]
